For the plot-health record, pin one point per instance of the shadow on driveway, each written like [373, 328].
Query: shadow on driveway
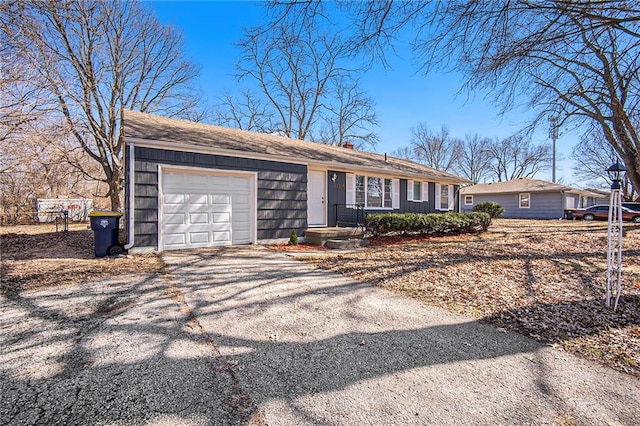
[314, 347]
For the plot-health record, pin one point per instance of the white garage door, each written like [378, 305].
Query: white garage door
[202, 210]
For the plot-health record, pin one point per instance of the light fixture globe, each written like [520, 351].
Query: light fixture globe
[616, 172]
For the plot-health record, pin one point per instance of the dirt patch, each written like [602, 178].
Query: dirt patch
[545, 279]
[37, 256]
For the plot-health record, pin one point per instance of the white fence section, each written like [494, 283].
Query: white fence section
[51, 208]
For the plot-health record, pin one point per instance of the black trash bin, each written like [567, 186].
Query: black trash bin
[105, 226]
[568, 214]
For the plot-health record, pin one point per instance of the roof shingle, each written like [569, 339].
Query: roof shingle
[521, 185]
[158, 130]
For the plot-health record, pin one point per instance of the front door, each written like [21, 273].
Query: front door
[316, 195]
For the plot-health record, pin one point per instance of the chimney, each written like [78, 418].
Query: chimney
[348, 145]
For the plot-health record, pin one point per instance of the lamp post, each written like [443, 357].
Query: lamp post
[614, 234]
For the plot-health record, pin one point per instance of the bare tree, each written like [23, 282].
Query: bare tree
[40, 168]
[516, 157]
[438, 150]
[405, 152]
[94, 59]
[475, 158]
[348, 116]
[578, 60]
[246, 111]
[301, 68]
[594, 155]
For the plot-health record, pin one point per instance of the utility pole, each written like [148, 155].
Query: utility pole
[553, 134]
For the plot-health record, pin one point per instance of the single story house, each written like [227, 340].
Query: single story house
[527, 198]
[197, 185]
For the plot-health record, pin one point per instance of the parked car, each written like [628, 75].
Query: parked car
[631, 206]
[601, 212]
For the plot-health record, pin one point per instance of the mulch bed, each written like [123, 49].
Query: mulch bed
[302, 247]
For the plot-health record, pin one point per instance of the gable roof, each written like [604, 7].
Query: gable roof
[180, 135]
[523, 185]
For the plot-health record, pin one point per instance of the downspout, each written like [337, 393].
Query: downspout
[130, 209]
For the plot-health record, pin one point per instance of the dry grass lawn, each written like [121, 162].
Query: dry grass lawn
[545, 279]
[34, 256]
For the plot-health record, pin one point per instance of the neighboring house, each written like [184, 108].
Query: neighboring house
[527, 198]
[197, 185]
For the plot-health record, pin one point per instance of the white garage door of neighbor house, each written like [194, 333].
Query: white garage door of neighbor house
[202, 210]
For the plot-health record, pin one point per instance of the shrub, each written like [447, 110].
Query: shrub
[425, 224]
[293, 239]
[491, 208]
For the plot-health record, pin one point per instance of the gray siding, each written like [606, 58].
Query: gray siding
[417, 207]
[544, 205]
[281, 191]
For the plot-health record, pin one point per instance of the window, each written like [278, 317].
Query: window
[388, 191]
[444, 197]
[571, 202]
[373, 192]
[417, 191]
[360, 198]
[525, 200]
[468, 200]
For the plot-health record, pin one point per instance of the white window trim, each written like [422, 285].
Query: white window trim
[351, 192]
[528, 194]
[465, 200]
[424, 192]
[438, 203]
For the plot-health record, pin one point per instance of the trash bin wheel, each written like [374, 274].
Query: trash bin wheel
[116, 251]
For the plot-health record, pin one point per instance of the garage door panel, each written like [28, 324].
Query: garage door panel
[198, 199]
[223, 217]
[220, 199]
[198, 237]
[200, 210]
[174, 199]
[222, 236]
[198, 218]
[175, 218]
[220, 227]
[174, 239]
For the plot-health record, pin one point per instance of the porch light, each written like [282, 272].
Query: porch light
[616, 174]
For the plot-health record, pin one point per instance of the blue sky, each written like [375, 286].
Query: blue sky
[403, 97]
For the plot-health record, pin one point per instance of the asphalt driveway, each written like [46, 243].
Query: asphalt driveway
[311, 347]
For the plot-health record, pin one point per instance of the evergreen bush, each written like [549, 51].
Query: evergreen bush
[491, 208]
[427, 224]
[293, 239]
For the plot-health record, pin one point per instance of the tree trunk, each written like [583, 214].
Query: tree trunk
[115, 190]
